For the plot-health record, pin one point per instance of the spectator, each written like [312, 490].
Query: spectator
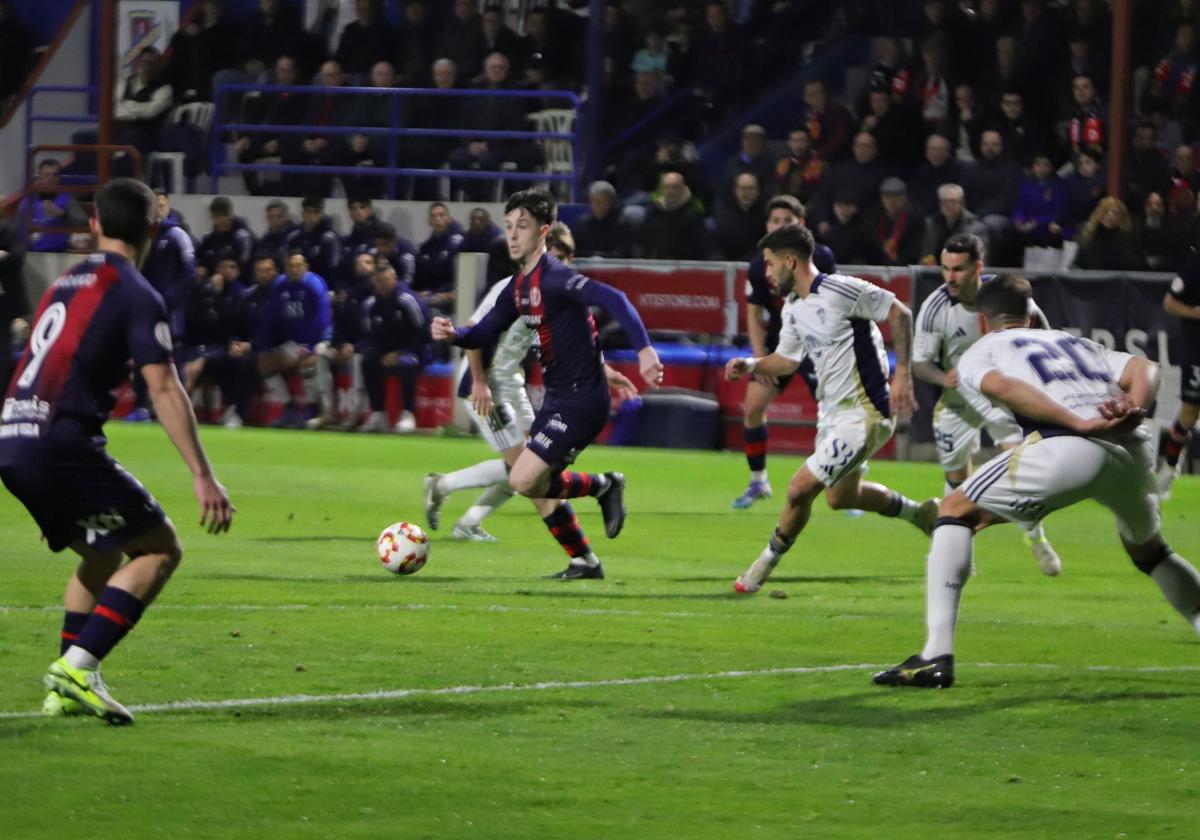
[741, 218]
[348, 309]
[1146, 168]
[230, 236]
[1021, 133]
[432, 112]
[604, 232]
[951, 217]
[1171, 87]
[801, 172]
[1106, 242]
[16, 53]
[939, 167]
[364, 222]
[317, 241]
[897, 228]
[1081, 61]
[897, 129]
[272, 108]
[1183, 174]
[294, 330]
[481, 232]
[366, 40]
[145, 102]
[932, 86]
[828, 123]
[546, 61]
[846, 232]
[994, 185]
[1085, 187]
[982, 30]
[397, 344]
[618, 45]
[372, 110]
[964, 124]
[434, 282]
[752, 158]
[416, 45]
[325, 108]
[859, 176]
[495, 113]
[498, 37]
[1039, 44]
[461, 39]
[271, 32]
[396, 251]
[653, 56]
[201, 48]
[14, 305]
[47, 207]
[1150, 240]
[1042, 207]
[1007, 75]
[1088, 124]
[674, 227]
[890, 73]
[211, 350]
[280, 229]
[165, 211]
[719, 77]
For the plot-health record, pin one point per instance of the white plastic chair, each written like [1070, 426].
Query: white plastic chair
[200, 116]
[560, 154]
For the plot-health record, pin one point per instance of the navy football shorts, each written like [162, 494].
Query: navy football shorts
[567, 423]
[77, 491]
[1189, 380]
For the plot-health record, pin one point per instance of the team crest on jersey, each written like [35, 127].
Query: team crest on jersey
[535, 296]
[162, 334]
[821, 314]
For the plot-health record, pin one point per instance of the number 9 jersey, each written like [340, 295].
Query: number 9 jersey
[91, 321]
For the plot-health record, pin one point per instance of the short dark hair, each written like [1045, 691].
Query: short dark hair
[125, 208]
[42, 164]
[537, 203]
[277, 204]
[441, 204]
[312, 202]
[266, 255]
[359, 199]
[297, 252]
[385, 231]
[966, 243]
[787, 202]
[1005, 295]
[794, 238]
[222, 205]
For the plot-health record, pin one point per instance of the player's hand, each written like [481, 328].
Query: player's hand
[950, 380]
[20, 329]
[735, 369]
[767, 379]
[216, 511]
[390, 359]
[903, 401]
[442, 329]
[620, 383]
[481, 398]
[650, 366]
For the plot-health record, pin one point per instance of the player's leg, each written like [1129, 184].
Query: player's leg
[373, 381]
[319, 387]
[803, 489]
[502, 429]
[1008, 435]
[272, 370]
[470, 525]
[511, 425]
[1179, 435]
[754, 441]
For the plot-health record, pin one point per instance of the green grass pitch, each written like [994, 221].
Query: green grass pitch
[655, 703]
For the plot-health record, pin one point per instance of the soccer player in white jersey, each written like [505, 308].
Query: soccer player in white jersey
[495, 396]
[947, 325]
[830, 318]
[1082, 406]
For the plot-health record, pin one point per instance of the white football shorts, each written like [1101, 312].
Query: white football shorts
[846, 438]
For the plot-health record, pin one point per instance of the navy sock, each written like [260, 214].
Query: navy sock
[72, 623]
[754, 443]
[572, 485]
[113, 617]
[564, 525]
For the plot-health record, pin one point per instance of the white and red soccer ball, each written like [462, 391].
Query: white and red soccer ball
[403, 548]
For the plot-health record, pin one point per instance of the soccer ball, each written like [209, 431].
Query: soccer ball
[403, 548]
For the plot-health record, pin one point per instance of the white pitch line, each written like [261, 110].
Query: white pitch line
[556, 685]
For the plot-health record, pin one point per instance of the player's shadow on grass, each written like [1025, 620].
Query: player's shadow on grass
[584, 595]
[308, 538]
[325, 580]
[771, 582]
[411, 710]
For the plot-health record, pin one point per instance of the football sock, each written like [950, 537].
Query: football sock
[113, 617]
[277, 387]
[779, 544]
[758, 476]
[326, 398]
[947, 571]
[483, 474]
[571, 485]
[488, 501]
[1177, 439]
[755, 445]
[1034, 532]
[901, 506]
[1180, 584]
[564, 525]
[72, 623]
[949, 487]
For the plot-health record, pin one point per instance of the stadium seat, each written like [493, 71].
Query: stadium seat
[199, 115]
[560, 154]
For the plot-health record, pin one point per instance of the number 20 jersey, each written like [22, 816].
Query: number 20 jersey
[91, 321]
[1074, 372]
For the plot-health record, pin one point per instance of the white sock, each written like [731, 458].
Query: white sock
[483, 474]
[1180, 584]
[1035, 532]
[488, 501]
[758, 475]
[277, 387]
[947, 570]
[311, 381]
[590, 560]
[77, 657]
[324, 386]
[908, 508]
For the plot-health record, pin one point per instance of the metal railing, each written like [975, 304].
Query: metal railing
[32, 116]
[219, 166]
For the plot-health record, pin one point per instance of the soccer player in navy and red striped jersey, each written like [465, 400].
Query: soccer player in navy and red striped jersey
[90, 322]
[553, 299]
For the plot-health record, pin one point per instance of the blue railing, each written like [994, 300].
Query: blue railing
[219, 166]
[32, 116]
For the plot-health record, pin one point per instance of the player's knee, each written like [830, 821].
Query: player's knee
[956, 505]
[803, 488]
[840, 500]
[1146, 557]
[523, 484]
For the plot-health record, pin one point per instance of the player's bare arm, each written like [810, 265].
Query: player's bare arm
[620, 383]
[442, 329]
[1174, 306]
[757, 334]
[772, 365]
[174, 411]
[927, 371]
[649, 366]
[903, 401]
[481, 394]
[1139, 381]
[1028, 401]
